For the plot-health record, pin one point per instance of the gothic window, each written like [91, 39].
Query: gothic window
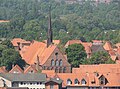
[57, 62]
[60, 62]
[64, 69]
[56, 70]
[52, 62]
[83, 82]
[69, 82]
[76, 81]
[60, 70]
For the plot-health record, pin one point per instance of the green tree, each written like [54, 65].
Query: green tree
[11, 57]
[75, 54]
[100, 57]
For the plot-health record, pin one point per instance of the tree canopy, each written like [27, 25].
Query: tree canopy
[75, 54]
[99, 57]
[9, 56]
[69, 21]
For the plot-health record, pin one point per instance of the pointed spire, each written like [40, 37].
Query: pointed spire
[49, 33]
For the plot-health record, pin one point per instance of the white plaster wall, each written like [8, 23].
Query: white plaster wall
[33, 85]
[7, 82]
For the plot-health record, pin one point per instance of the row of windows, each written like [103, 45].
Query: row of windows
[57, 70]
[56, 62]
[31, 83]
[36, 88]
[76, 81]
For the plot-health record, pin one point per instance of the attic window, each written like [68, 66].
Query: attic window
[102, 80]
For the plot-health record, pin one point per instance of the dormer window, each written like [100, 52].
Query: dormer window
[76, 82]
[69, 82]
[52, 62]
[83, 82]
[102, 80]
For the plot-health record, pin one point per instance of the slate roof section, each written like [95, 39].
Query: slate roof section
[56, 80]
[96, 48]
[24, 77]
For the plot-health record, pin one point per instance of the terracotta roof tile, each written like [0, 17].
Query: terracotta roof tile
[37, 49]
[70, 42]
[15, 41]
[96, 41]
[3, 70]
[30, 68]
[107, 46]
[117, 45]
[3, 21]
[97, 68]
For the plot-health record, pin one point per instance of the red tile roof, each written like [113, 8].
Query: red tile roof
[37, 49]
[96, 41]
[70, 42]
[30, 68]
[15, 41]
[3, 21]
[108, 46]
[117, 45]
[101, 68]
[3, 70]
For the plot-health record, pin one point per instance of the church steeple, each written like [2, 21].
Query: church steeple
[49, 33]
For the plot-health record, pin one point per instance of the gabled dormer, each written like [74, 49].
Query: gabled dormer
[102, 80]
[16, 69]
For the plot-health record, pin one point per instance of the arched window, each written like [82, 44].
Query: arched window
[57, 62]
[69, 82]
[60, 62]
[52, 62]
[60, 70]
[64, 69]
[56, 70]
[83, 82]
[76, 82]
